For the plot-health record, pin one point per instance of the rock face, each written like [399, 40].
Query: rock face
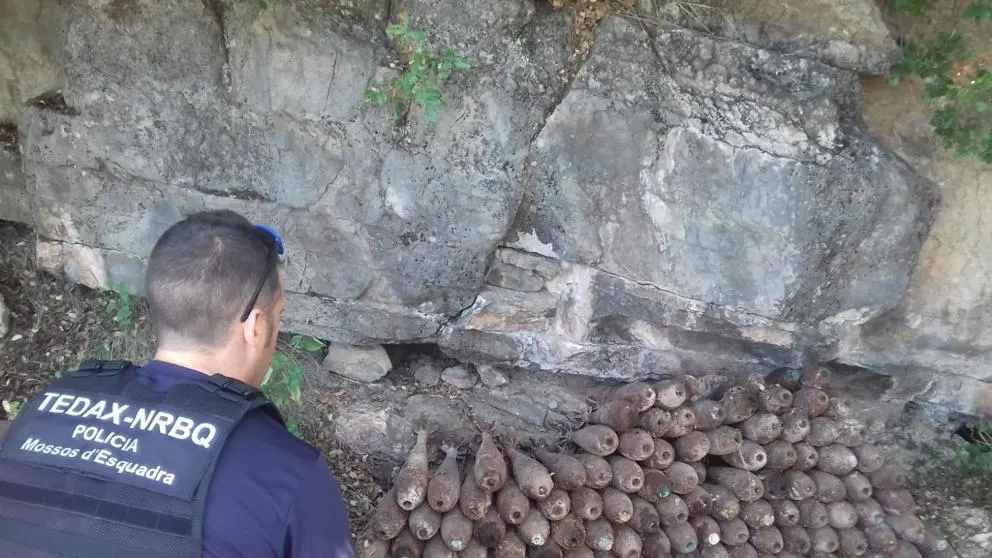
[14, 199]
[29, 65]
[849, 34]
[692, 200]
[677, 200]
[936, 340]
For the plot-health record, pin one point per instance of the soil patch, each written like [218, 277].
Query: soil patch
[55, 324]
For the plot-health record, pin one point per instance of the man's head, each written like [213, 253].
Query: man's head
[202, 280]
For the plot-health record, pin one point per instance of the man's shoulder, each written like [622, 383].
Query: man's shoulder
[263, 463]
[267, 443]
[262, 476]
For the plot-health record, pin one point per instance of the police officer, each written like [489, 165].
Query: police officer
[183, 456]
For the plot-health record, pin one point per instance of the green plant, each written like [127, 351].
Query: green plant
[282, 384]
[957, 83]
[12, 408]
[307, 343]
[978, 10]
[284, 376]
[259, 4]
[121, 305]
[420, 83]
[975, 457]
[908, 7]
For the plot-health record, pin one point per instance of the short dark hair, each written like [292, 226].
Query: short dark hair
[201, 274]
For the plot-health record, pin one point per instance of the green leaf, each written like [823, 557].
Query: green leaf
[432, 96]
[909, 7]
[417, 35]
[978, 10]
[313, 345]
[377, 95]
[936, 89]
[981, 107]
[430, 111]
[462, 64]
[293, 427]
[306, 343]
[395, 30]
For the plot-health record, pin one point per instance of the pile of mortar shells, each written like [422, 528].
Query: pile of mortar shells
[700, 466]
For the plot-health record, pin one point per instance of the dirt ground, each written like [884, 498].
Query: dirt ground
[56, 323]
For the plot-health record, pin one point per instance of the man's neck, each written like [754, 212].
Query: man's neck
[206, 363]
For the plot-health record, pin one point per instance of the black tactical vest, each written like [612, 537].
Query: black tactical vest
[102, 465]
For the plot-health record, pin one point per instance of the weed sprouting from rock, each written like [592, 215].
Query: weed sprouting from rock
[423, 77]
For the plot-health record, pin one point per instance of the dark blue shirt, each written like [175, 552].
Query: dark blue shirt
[272, 495]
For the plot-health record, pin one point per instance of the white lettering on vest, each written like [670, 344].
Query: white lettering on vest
[37, 446]
[48, 399]
[106, 437]
[78, 407]
[102, 456]
[96, 411]
[115, 413]
[62, 403]
[181, 428]
[162, 421]
[142, 419]
[204, 434]
[165, 423]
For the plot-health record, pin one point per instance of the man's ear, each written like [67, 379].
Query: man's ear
[254, 329]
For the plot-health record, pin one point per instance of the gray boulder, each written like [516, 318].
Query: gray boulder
[492, 376]
[426, 371]
[359, 363]
[459, 377]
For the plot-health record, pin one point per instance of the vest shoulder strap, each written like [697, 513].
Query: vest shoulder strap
[98, 367]
[236, 389]
[227, 387]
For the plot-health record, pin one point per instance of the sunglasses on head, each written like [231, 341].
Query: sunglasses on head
[276, 251]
